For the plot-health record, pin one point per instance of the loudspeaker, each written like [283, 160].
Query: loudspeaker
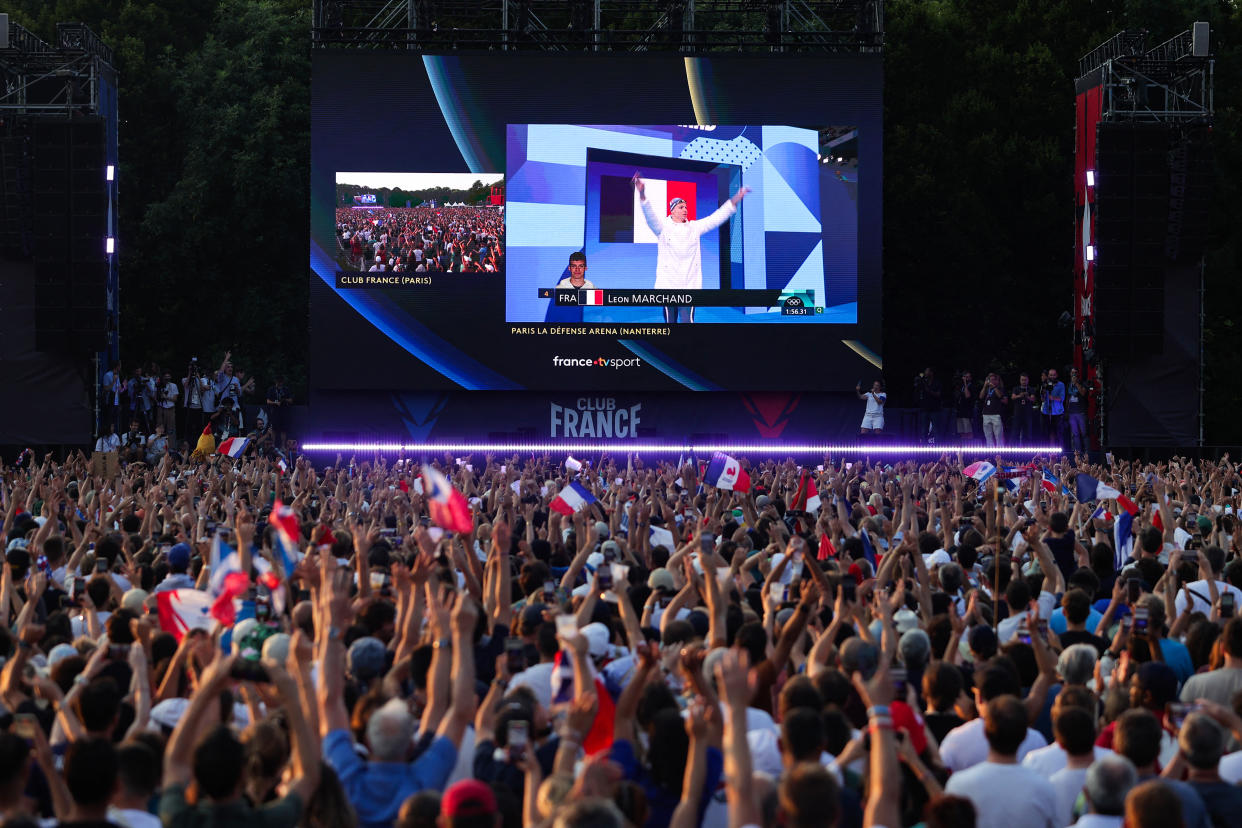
[70, 201]
[1191, 181]
[1200, 34]
[1131, 226]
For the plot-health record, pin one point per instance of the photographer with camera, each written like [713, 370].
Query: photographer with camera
[1052, 407]
[194, 385]
[1076, 411]
[230, 386]
[138, 395]
[1025, 397]
[278, 401]
[166, 414]
[927, 400]
[133, 443]
[992, 403]
[964, 397]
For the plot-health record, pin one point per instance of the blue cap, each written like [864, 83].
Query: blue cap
[179, 557]
[674, 203]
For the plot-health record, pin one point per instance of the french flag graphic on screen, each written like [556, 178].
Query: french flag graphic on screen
[660, 192]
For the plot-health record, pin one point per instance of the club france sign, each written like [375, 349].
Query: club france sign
[595, 417]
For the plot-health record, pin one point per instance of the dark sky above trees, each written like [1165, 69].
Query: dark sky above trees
[979, 130]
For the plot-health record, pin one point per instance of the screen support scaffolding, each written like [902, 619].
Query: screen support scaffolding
[685, 26]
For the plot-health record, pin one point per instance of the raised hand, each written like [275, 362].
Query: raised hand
[639, 185]
[733, 679]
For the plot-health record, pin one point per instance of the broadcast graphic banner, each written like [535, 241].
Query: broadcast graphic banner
[508, 222]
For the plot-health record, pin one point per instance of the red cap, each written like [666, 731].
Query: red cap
[469, 797]
[906, 719]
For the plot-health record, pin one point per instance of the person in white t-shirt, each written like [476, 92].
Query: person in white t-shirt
[1005, 794]
[679, 265]
[1075, 731]
[967, 745]
[1047, 761]
[1199, 590]
[873, 417]
[110, 441]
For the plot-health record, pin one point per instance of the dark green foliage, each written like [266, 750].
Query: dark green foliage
[979, 208]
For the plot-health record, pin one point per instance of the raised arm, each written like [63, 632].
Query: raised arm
[733, 677]
[305, 747]
[462, 711]
[178, 758]
[653, 219]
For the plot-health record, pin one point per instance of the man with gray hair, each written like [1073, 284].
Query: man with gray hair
[1076, 665]
[376, 788]
[390, 731]
[1201, 743]
[1108, 782]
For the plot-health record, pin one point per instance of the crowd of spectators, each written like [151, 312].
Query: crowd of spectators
[150, 412]
[220, 641]
[422, 240]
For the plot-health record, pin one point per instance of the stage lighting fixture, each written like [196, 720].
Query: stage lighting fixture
[1091, 252]
[110, 175]
[110, 245]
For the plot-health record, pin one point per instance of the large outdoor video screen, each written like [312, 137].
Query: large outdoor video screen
[641, 222]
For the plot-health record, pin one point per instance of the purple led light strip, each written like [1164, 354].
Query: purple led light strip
[870, 449]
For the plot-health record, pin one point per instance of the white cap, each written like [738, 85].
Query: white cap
[597, 640]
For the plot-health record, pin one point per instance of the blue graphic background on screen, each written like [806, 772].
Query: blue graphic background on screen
[559, 202]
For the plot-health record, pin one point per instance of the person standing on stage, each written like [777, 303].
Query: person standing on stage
[993, 404]
[927, 398]
[873, 417]
[964, 407]
[1053, 405]
[1024, 397]
[1076, 411]
[678, 262]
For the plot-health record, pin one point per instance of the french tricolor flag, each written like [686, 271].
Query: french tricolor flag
[724, 472]
[600, 735]
[1123, 537]
[288, 532]
[233, 446]
[182, 610]
[227, 584]
[660, 192]
[448, 507]
[591, 297]
[1090, 489]
[980, 470]
[571, 498]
